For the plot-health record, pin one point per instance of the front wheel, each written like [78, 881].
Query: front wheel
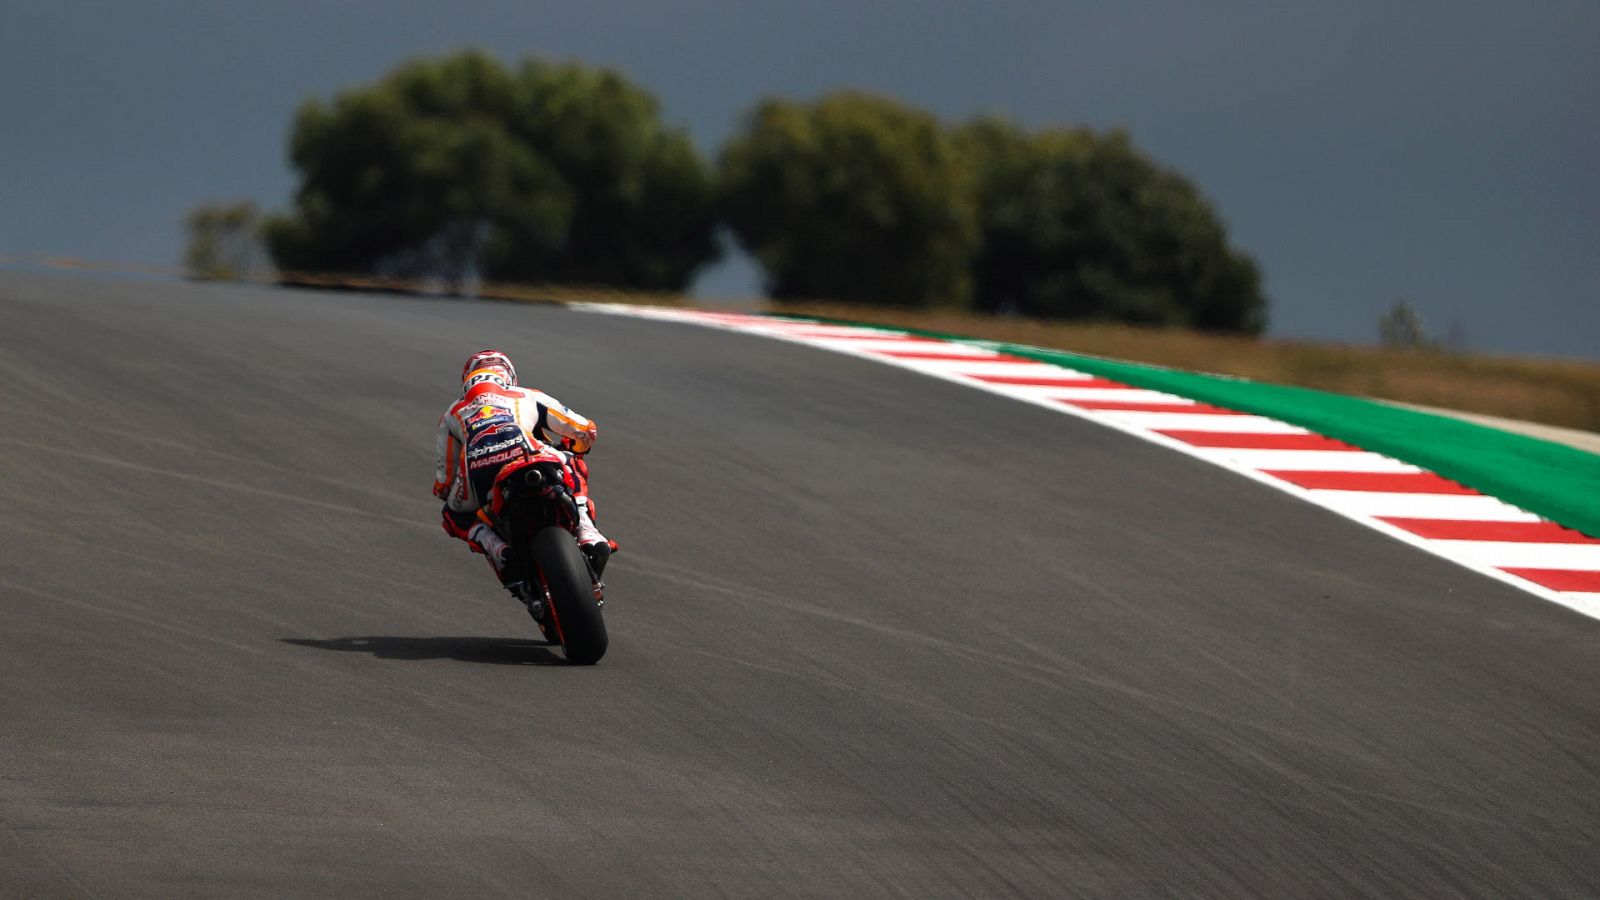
[573, 609]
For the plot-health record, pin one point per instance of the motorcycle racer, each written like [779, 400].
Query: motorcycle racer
[494, 423]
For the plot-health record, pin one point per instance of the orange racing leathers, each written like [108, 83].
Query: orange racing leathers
[481, 431]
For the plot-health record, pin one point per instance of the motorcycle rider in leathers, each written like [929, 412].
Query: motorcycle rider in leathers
[493, 422]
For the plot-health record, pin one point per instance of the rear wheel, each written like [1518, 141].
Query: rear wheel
[577, 621]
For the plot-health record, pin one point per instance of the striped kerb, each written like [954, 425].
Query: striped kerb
[1404, 501]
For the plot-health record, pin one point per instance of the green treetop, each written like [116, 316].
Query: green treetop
[853, 197]
[459, 165]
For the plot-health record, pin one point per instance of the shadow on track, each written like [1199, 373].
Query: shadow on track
[500, 651]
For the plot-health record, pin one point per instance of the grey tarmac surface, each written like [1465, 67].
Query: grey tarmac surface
[872, 635]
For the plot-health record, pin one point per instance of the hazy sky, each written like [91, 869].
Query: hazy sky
[1445, 152]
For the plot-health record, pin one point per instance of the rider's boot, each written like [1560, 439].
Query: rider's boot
[499, 554]
[494, 547]
[593, 544]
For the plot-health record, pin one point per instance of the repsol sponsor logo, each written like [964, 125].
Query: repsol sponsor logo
[486, 378]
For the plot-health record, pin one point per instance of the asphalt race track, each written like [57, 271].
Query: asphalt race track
[871, 634]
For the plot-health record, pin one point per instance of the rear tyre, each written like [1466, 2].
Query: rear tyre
[578, 623]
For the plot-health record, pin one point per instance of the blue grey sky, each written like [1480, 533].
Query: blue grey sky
[1446, 152]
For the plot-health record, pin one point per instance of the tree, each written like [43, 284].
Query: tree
[1082, 225]
[853, 197]
[457, 166]
[1402, 327]
[224, 241]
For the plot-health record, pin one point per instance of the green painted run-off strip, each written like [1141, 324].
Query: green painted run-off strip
[1555, 481]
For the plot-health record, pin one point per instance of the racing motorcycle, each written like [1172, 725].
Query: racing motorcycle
[534, 511]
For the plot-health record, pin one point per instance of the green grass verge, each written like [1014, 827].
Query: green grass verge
[1555, 481]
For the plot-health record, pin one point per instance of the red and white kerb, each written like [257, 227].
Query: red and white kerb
[1399, 499]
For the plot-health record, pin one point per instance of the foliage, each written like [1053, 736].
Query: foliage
[852, 197]
[460, 166]
[858, 198]
[1402, 327]
[224, 241]
[1082, 225]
